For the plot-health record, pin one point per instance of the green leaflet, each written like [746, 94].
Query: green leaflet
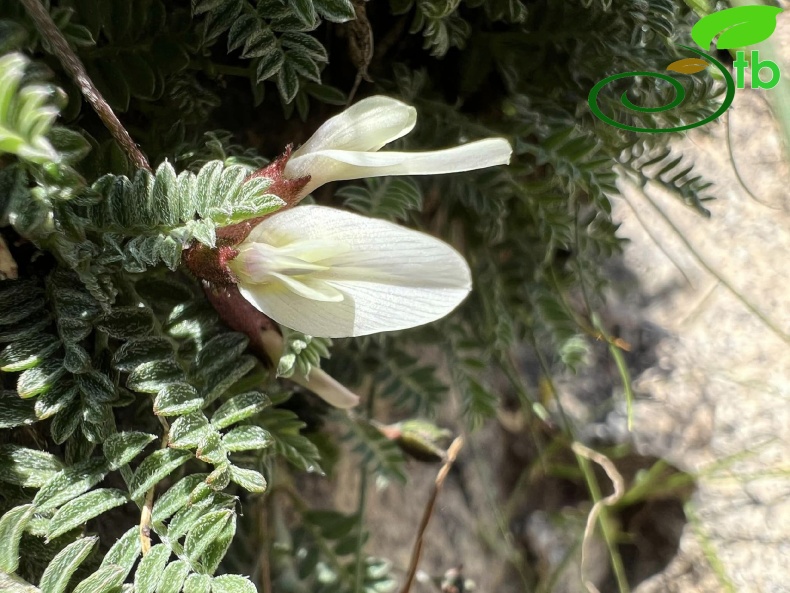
[231, 583]
[239, 408]
[27, 467]
[227, 376]
[70, 483]
[28, 352]
[197, 583]
[173, 577]
[15, 411]
[149, 572]
[218, 352]
[59, 571]
[187, 431]
[187, 518]
[204, 532]
[13, 584]
[40, 379]
[103, 580]
[25, 115]
[247, 438]
[216, 550]
[176, 497]
[151, 377]
[249, 479]
[83, 508]
[122, 447]
[155, 467]
[125, 551]
[12, 525]
[177, 399]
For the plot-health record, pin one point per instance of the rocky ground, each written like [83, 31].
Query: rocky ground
[716, 402]
[707, 304]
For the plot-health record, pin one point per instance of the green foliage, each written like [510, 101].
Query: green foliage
[301, 353]
[375, 449]
[272, 35]
[392, 198]
[122, 394]
[25, 116]
[321, 554]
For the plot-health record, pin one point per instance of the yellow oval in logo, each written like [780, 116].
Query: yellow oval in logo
[688, 65]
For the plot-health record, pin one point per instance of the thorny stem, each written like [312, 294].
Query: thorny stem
[72, 64]
[452, 453]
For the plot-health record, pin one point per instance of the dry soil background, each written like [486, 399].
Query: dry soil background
[714, 402]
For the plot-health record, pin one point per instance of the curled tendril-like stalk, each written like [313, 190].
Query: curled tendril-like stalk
[680, 95]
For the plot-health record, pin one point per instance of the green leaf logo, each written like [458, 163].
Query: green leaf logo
[739, 26]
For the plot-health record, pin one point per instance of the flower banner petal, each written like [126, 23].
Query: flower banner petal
[366, 125]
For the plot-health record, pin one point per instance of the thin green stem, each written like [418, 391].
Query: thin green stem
[605, 522]
[656, 242]
[780, 94]
[708, 549]
[713, 272]
[622, 368]
[566, 425]
[737, 171]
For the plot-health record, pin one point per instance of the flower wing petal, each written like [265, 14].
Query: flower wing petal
[366, 125]
[392, 278]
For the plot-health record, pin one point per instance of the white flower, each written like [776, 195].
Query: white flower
[345, 147]
[334, 274]
[330, 273]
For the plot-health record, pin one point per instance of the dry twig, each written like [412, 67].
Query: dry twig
[619, 489]
[72, 64]
[452, 453]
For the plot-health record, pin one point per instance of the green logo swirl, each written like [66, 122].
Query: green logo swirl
[680, 94]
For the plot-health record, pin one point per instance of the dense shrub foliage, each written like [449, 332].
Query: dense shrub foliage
[136, 426]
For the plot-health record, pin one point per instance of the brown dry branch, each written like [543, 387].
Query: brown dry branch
[360, 46]
[452, 453]
[72, 64]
